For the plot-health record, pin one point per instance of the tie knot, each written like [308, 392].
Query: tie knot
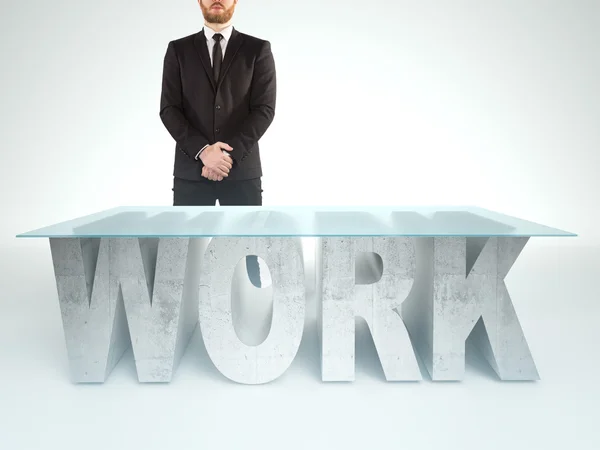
[217, 37]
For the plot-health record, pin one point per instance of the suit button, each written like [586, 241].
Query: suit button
[218, 106]
[217, 130]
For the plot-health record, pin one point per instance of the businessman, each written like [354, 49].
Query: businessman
[217, 101]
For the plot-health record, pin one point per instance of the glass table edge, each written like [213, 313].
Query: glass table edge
[553, 232]
[299, 235]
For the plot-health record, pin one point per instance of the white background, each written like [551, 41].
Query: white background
[490, 103]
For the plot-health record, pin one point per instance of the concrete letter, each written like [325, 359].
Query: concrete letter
[461, 291]
[114, 292]
[343, 299]
[234, 359]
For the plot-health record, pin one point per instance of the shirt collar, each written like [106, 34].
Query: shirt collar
[226, 32]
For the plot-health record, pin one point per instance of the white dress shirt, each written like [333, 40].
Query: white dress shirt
[210, 43]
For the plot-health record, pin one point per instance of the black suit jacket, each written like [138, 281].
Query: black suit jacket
[237, 110]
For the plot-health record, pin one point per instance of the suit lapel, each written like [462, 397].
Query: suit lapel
[202, 49]
[233, 46]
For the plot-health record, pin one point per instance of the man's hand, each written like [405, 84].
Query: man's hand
[214, 158]
[210, 174]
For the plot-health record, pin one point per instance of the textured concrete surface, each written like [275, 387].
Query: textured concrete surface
[150, 293]
[117, 292]
[268, 360]
[374, 292]
[555, 292]
[460, 293]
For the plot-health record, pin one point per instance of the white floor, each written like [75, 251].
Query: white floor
[555, 290]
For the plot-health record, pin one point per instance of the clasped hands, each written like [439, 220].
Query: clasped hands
[217, 163]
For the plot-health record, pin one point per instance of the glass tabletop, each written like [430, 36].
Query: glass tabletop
[301, 221]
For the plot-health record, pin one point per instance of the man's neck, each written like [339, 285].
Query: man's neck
[217, 27]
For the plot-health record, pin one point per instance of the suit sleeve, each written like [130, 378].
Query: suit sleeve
[263, 93]
[171, 111]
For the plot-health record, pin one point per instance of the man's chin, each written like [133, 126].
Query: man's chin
[215, 18]
[217, 15]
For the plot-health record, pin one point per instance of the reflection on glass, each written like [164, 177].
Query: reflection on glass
[448, 223]
[206, 223]
[210, 221]
[125, 222]
[348, 223]
[266, 223]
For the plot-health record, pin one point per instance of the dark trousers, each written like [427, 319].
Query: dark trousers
[228, 193]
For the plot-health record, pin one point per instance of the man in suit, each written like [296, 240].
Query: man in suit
[217, 100]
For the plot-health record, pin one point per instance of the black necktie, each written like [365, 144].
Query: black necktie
[217, 56]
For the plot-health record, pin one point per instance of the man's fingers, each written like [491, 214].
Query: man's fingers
[221, 172]
[227, 159]
[224, 167]
[226, 162]
[224, 146]
[215, 176]
[219, 167]
[221, 161]
[208, 173]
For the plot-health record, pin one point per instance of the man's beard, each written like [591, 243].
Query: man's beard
[217, 16]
